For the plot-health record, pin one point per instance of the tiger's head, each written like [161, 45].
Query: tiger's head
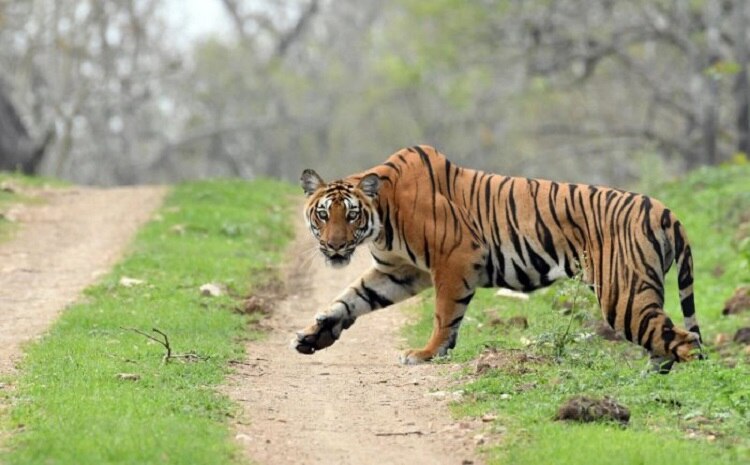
[340, 214]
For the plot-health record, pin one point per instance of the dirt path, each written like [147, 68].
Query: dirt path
[63, 244]
[351, 403]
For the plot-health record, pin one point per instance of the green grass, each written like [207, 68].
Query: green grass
[699, 413]
[30, 181]
[69, 407]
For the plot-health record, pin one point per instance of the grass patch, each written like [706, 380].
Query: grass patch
[30, 181]
[700, 413]
[70, 406]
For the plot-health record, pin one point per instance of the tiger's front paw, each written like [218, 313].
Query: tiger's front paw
[323, 333]
[415, 356]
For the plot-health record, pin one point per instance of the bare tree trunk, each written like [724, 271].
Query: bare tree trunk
[710, 120]
[710, 97]
[17, 150]
[742, 98]
[742, 84]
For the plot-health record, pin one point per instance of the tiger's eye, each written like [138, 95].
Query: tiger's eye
[322, 215]
[352, 215]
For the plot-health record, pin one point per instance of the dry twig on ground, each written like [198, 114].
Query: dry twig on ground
[190, 356]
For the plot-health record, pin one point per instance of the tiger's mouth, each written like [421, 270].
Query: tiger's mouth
[338, 258]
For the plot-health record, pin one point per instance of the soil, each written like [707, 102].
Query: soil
[585, 409]
[65, 240]
[739, 302]
[352, 402]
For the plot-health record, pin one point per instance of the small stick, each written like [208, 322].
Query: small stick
[169, 356]
[405, 433]
[164, 343]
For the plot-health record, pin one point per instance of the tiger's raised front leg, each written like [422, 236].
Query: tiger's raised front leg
[377, 288]
[452, 296]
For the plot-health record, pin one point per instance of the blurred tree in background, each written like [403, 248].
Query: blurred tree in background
[600, 91]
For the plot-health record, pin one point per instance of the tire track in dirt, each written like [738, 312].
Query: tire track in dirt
[62, 245]
[351, 403]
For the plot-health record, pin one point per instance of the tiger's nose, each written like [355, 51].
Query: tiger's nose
[335, 244]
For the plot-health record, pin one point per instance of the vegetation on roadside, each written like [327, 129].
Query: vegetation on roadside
[92, 391]
[698, 414]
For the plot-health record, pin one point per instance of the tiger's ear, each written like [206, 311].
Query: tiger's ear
[310, 182]
[370, 185]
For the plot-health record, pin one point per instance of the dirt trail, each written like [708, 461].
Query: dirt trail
[63, 244]
[351, 403]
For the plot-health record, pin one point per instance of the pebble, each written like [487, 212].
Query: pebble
[130, 282]
[211, 290]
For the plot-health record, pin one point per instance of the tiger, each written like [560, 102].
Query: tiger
[428, 222]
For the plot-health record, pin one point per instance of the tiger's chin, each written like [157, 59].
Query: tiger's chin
[338, 261]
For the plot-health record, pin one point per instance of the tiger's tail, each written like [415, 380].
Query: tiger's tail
[684, 261]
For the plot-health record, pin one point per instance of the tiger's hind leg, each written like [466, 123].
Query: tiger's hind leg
[637, 312]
